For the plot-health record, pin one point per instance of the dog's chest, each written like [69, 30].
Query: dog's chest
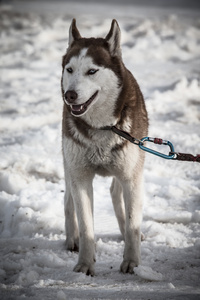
[99, 154]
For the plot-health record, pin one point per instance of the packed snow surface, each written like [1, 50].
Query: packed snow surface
[162, 50]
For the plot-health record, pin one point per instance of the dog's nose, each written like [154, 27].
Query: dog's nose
[71, 96]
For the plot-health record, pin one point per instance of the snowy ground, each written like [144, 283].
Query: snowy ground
[162, 49]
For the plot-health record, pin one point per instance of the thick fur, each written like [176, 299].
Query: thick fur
[99, 91]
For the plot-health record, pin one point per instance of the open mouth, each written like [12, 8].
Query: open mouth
[79, 109]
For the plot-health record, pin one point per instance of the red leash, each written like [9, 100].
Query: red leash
[187, 157]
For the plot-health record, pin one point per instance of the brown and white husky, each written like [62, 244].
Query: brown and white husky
[98, 92]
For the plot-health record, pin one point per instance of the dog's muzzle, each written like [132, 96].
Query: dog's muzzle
[78, 109]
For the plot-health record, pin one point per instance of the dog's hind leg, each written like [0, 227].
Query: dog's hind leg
[71, 226]
[118, 204]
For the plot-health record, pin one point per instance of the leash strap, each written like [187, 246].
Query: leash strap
[125, 135]
[186, 157]
[172, 154]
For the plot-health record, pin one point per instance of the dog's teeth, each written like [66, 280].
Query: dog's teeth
[75, 107]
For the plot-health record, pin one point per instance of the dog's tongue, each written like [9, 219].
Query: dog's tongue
[77, 107]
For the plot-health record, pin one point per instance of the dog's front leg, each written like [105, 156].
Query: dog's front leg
[82, 193]
[71, 226]
[132, 191]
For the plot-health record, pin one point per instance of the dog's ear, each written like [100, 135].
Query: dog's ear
[113, 38]
[73, 32]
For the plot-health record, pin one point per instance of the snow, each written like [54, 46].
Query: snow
[161, 47]
[147, 273]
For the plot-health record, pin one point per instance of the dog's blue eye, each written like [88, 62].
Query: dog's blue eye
[69, 70]
[92, 71]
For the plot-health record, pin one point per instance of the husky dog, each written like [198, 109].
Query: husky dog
[98, 92]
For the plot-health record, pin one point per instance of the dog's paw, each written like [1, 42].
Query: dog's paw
[85, 268]
[142, 237]
[128, 266]
[72, 246]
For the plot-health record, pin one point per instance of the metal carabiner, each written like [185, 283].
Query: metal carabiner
[159, 142]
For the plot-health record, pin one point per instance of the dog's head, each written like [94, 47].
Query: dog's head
[92, 73]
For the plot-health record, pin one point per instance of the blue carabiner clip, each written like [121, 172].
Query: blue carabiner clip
[159, 142]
